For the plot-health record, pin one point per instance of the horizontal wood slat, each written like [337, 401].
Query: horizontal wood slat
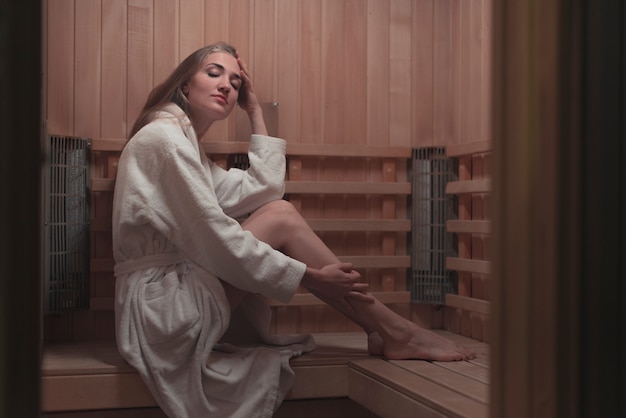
[320, 225]
[306, 187]
[464, 264]
[347, 187]
[378, 261]
[307, 299]
[468, 304]
[468, 227]
[468, 148]
[378, 376]
[93, 392]
[299, 299]
[313, 150]
[469, 186]
[105, 265]
[357, 225]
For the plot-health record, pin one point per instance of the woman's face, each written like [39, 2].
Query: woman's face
[212, 92]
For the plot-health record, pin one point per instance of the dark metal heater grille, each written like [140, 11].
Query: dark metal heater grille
[431, 208]
[66, 239]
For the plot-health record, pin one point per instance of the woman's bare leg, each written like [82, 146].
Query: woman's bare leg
[280, 225]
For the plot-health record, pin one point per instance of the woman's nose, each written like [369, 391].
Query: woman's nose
[224, 87]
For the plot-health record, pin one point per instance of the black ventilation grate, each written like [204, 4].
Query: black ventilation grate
[430, 243]
[66, 217]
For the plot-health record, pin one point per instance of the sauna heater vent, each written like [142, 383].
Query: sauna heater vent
[429, 280]
[66, 224]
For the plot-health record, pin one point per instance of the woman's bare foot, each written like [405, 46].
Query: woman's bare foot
[422, 344]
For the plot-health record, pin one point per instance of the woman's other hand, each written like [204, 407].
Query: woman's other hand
[337, 281]
[248, 101]
[247, 98]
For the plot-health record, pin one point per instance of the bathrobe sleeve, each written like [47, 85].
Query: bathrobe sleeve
[168, 187]
[240, 192]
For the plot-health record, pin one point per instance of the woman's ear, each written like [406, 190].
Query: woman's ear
[185, 89]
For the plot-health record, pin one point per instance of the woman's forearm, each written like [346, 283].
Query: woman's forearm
[258, 122]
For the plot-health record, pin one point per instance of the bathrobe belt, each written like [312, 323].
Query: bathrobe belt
[147, 261]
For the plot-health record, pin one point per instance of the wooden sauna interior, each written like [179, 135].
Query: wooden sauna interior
[355, 73]
[395, 74]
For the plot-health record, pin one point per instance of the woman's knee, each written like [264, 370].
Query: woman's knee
[284, 212]
[274, 222]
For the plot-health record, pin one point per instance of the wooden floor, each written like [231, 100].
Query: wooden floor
[93, 376]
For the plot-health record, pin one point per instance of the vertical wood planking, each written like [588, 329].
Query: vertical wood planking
[167, 41]
[456, 71]
[191, 26]
[263, 48]
[310, 63]
[332, 59]
[87, 75]
[465, 61]
[288, 69]
[400, 112]
[216, 22]
[475, 71]
[354, 74]
[114, 123]
[486, 70]
[422, 14]
[140, 55]
[442, 73]
[60, 67]
[378, 72]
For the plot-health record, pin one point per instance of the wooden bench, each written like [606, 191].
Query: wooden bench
[356, 199]
[91, 376]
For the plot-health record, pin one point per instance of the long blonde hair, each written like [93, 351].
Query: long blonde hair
[171, 90]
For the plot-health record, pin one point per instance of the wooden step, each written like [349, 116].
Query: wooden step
[92, 375]
[419, 388]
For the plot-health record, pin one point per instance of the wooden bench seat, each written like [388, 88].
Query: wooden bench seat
[92, 376]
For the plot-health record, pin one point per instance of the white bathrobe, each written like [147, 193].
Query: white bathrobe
[174, 234]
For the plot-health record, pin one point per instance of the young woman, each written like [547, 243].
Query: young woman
[188, 315]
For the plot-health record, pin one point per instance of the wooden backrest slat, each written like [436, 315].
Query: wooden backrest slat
[469, 148]
[311, 150]
[469, 186]
[468, 227]
[347, 187]
[360, 225]
[465, 264]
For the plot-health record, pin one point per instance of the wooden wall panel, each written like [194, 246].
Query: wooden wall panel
[400, 35]
[87, 64]
[140, 56]
[355, 78]
[288, 70]
[375, 72]
[114, 69]
[422, 73]
[60, 67]
[310, 68]
[167, 17]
